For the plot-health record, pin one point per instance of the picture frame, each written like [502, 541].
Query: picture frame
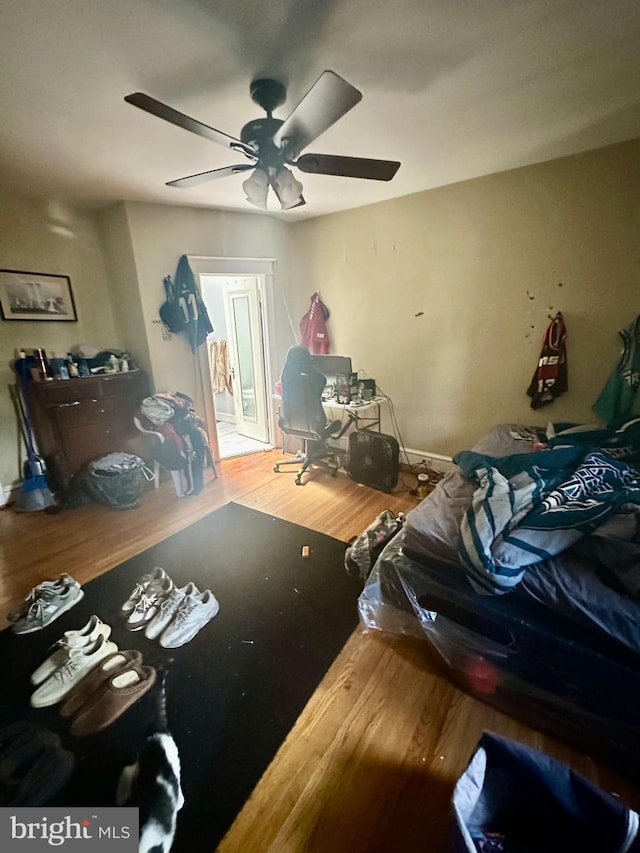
[36, 296]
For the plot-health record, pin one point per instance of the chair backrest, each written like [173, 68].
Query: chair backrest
[301, 412]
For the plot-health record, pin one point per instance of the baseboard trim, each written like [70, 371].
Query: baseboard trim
[7, 494]
[436, 461]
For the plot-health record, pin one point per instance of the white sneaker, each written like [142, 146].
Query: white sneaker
[78, 663]
[193, 613]
[168, 609]
[149, 603]
[156, 576]
[83, 637]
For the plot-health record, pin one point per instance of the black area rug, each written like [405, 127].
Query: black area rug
[234, 691]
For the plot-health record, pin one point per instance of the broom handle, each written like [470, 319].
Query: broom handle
[26, 415]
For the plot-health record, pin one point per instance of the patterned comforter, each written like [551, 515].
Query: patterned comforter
[528, 507]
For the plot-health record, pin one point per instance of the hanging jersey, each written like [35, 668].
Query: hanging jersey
[621, 388]
[550, 377]
[194, 312]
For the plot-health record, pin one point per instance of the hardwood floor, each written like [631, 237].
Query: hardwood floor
[371, 763]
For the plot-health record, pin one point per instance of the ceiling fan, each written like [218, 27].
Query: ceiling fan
[273, 144]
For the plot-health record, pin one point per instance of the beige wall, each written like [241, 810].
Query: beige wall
[159, 235]
[123, 283]
[46, 236]
[444, 296]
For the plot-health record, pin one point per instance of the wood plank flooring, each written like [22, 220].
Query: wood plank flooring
[371, 763]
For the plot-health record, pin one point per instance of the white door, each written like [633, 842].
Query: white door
[244, 334]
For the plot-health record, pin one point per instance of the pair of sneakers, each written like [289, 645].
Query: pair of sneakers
[172, 615]
[77, 654]
[145, 599]
[45, 603]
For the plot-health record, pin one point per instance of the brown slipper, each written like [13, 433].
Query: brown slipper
[112, 699]
[86, 687]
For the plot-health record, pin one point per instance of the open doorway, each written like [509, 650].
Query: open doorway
[237, 353]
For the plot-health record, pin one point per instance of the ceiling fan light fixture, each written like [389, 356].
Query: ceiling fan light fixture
[289, 190]
[256, 188]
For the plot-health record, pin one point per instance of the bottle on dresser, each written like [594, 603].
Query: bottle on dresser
[43, 369]
[60, 369]
[72, 367]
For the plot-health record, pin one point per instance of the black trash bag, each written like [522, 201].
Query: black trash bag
[116, 480]
[514, 799]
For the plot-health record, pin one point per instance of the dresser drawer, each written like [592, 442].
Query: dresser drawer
[81, 413]
[129, 384]
[91, 442]
[56, 391]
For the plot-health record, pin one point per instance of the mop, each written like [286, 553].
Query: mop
[34, 493]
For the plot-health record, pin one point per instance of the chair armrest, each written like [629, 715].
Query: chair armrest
[142, 429]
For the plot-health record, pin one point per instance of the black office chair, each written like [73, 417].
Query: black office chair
[301, 414]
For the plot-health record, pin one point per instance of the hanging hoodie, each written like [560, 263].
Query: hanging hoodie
[550, 377]
[196, 319]
[313, 327]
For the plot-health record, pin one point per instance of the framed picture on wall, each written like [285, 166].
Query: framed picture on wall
[36, 296]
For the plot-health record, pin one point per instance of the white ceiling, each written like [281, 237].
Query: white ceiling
[454, 89]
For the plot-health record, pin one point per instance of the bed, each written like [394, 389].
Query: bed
[522, 570]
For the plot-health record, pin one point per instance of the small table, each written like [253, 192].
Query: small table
[364, 416]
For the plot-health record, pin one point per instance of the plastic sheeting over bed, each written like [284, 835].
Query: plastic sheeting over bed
[576, 583]
[556, 674]
[562, 647]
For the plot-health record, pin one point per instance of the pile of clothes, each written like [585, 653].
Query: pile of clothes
[185, 445]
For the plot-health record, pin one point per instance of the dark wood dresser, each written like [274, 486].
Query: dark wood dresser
[77, 420]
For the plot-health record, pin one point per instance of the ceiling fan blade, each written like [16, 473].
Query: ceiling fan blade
[156, 108]
[327, 100]
[348, 167]
[202, 177]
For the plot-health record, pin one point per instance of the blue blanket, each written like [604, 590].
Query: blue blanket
[531, 506]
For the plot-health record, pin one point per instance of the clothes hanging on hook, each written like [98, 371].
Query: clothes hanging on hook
[219, 363]
[313, 327]
[619, 394]
[550, 377]
[197, 324]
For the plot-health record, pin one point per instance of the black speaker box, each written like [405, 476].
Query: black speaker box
[373, 459]
[368, 385]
